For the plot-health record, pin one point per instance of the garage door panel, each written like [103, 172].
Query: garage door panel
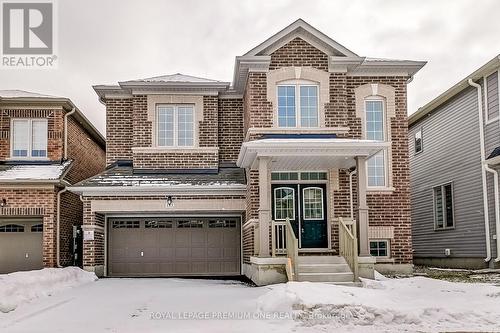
[20, 244]
[174, 246]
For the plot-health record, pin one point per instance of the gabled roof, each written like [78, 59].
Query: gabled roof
[304, 30]
[20, 97]
[486, 69]
[177, 78]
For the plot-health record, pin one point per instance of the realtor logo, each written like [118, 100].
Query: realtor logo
[28, 34]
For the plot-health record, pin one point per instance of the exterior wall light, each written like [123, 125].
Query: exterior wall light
[3, 203]
[170, 202]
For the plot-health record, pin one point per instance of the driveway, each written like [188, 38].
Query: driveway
[145, 305]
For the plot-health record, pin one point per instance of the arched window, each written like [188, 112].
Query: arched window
[375, 129]
[313, 203]
[37, 228]
[12, 228]
[284, 203]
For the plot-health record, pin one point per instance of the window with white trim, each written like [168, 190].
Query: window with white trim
[313, 203]
[29, 138]
[418, 141]
[284, 203]
[443, 207]
[175, 125]
[375, 129]
[379, 248]
[491, 97]
[298, 105]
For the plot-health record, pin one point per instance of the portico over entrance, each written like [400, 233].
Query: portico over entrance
[300, 198]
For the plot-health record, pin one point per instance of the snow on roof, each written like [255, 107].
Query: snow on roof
[15, 93]
[178, 77]
[125, 176]
[33, 172]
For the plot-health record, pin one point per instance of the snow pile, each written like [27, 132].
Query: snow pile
[49, 171]
[20, 287]
[393, 304]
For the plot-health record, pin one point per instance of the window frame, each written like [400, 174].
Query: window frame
[30, 139]
[384, 138]
[297, 84]
[304, 203]
[176, 125]
[443, 200]
[420, 130]
[293, 203]
[487, 118]
[387, 248]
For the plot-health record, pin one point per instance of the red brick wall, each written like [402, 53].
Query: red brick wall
[258, 110]
[119, 129]
[89, 158]
[230, 129]
[176, 160]
[143, 128]
[298, 53]
[71, 214]
[209, 127]
[55, 127]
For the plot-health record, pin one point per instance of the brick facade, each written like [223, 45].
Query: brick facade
[119, 129]
[176, 160]
[37, 200]
[230, 129]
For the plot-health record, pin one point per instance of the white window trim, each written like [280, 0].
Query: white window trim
[301, 181]
[388, 247]
[30, 140]
[293, 202]
[322, 203]
[485, 88]
[386, 187]
[420, 130]
[176, 126]
[297, 84]
[443, 199]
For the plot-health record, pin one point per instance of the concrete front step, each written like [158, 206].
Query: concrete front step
[325, 277]
[323, 268]
[320, 260]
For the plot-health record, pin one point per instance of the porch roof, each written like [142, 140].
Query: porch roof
[308, 154]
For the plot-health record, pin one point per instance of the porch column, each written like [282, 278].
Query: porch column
[364, 244]
[264, 206]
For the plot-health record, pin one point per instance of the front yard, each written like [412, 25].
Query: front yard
[189, 305]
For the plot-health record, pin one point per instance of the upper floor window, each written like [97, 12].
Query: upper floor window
[418, 141]
[298, 105]
[375, 130]
[492, 95]
[29, 138]
[175, 125]
[443, 207]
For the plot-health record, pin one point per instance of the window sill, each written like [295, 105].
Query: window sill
[175, 149]
[444, 229]
[384, 260]
[491, 121]
[27, 159]
[380, 190]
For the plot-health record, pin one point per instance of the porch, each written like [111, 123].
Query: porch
[296, 215]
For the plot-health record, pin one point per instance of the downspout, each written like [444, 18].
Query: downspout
[58, 227]
[351, 173]
[483, 170]
[58, 219]
[66, 132]
[497, 207]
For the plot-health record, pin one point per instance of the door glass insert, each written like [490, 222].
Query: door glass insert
[284, 203]
[313, 203]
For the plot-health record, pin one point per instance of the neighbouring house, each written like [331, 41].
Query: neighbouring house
[454, 165]
[46, 144]
[208, 178]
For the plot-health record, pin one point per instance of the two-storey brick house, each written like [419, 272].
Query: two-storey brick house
[46, 144]
[262, 177]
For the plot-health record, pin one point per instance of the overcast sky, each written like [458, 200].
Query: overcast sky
[104, 41]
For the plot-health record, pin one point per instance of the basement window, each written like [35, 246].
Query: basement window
[379, 248]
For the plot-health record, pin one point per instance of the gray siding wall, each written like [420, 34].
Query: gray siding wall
[492, 140]
[451, 153]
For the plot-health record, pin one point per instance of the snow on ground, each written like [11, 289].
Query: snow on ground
[17, 288]
[188, 305]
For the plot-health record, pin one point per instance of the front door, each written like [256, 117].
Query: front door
[305, 206]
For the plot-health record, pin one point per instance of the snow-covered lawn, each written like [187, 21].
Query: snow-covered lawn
[170, 305]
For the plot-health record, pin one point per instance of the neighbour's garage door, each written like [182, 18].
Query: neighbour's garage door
[174, 246]
[20, 244]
